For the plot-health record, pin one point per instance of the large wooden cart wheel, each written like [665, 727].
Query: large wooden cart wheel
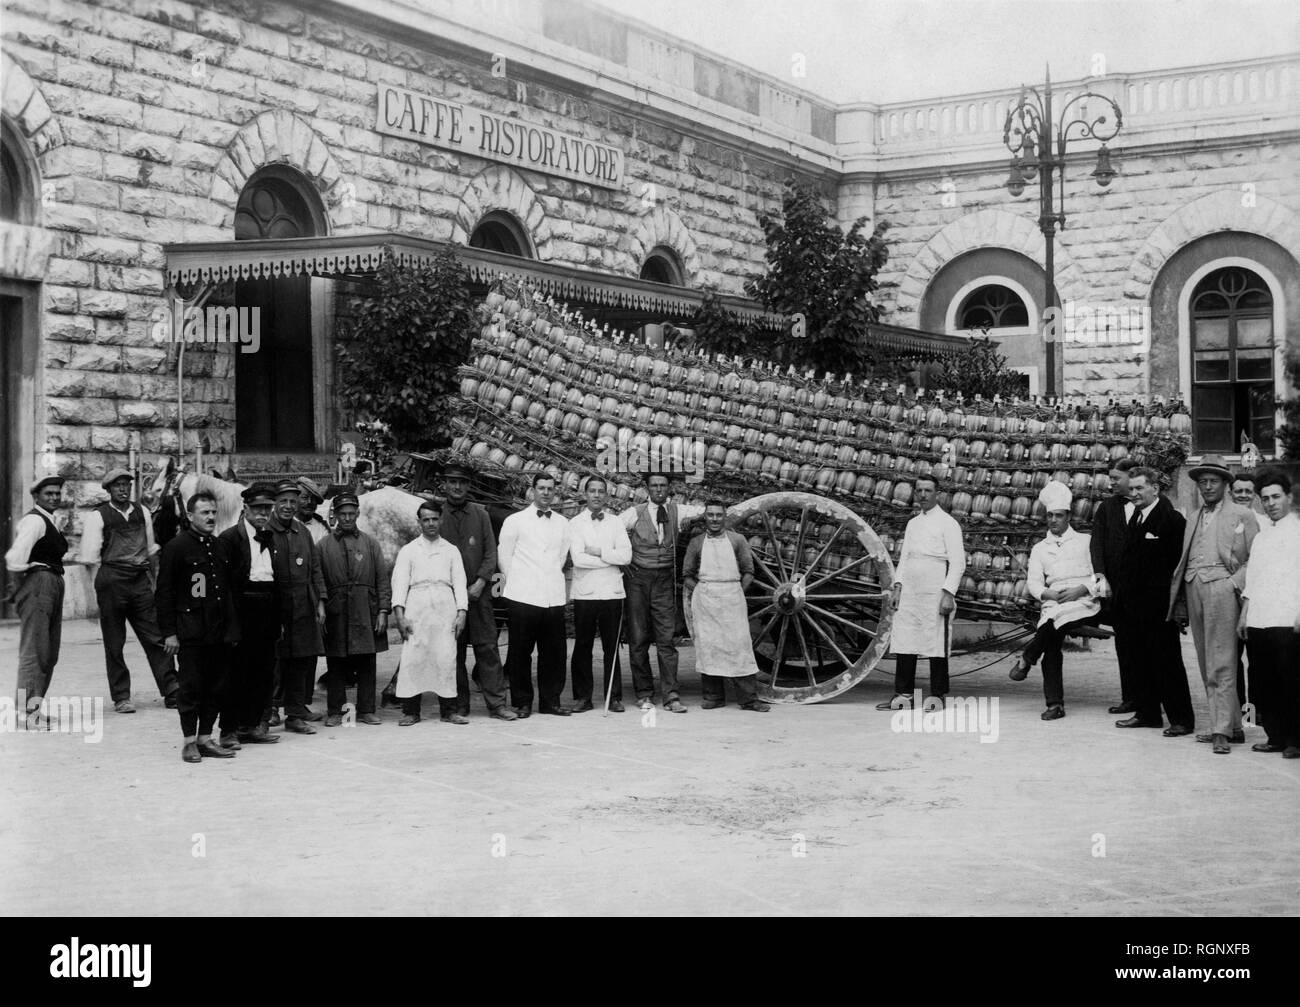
[817, 606]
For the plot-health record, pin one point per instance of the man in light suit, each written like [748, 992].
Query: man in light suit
[1205, 594]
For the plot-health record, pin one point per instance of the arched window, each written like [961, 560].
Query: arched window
[992, 306]
[17, 202]
[663, 265]
[274, 394]
[499, 231]
[1232, 361]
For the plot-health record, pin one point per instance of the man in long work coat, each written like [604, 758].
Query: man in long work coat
[300, 589]
[358, 596]
[924, 598]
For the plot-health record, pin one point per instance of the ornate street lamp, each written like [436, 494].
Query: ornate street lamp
[1037, 143]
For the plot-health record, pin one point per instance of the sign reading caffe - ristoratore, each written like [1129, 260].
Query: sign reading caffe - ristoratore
[414, 116]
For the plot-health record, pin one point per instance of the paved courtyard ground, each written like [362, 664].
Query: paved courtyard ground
[808, 810]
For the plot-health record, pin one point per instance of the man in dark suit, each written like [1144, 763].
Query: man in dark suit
[196, 613]
[1155, 538]
[1109, 535]
[253, 582]
[1205, 594]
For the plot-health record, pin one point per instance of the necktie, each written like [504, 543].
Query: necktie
[263, 538]
[662, 520]
[1136, 519]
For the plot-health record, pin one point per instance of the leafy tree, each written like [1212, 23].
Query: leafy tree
[818, 271]
[1288, 435]
[979, 370]
[718, 330]
[399, 354]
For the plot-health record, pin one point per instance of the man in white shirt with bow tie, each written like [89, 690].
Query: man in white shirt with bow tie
[600, 549]
[534, 545]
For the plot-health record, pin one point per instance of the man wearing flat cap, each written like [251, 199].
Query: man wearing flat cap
[1205, 594]
[309, 498]
[467, 526]
[1062, 578]
[37, 555]
[300, 591]
[358, 598]
[252, 581]
[117, 537]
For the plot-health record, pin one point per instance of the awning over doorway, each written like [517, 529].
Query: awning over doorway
[627, 301]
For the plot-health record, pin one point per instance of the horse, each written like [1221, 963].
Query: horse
[173, 487]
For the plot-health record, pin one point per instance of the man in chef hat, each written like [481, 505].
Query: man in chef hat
[1062, 578]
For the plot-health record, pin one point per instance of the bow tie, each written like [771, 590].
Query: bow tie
[263, 538]
[543, 513]
[598, 517]
[340, 533]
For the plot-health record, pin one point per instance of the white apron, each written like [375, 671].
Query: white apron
[429, 654]
[723, 646]
[918, 627]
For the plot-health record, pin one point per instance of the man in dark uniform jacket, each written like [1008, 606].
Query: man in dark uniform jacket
[358, 586]
[1109, 535]
[253, 582]
[1155, 540]
[196, 610]
[466, 525]
[118, 537]
[36, 557]
[300, 589]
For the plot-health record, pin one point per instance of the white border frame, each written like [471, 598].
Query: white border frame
[950, 316]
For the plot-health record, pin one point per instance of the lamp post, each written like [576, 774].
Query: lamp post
[1037, 143]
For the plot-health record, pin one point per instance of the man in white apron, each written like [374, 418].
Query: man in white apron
[718, 568]
[1062, 578]
[430, 602]
[924, 598]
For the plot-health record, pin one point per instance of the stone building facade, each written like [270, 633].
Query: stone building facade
[131, 126]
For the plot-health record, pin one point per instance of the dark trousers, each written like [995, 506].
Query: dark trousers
[1275, 674]
[252, 668]
[40, 608]
[336, 682]
[1128, 633]
[1242, 692]
[480, 632]
[203, 677]
[297, 675]
[905, 675]
[652, 614]
[605, 616]
[532, 626]
[714, 688]
[1162, 679]
[1046, 644]
[126, 596]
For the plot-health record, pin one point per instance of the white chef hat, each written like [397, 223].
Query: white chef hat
[1056, 496]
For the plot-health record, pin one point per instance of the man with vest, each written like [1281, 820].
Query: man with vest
[37, 554]
[118, 538]
[467, 526]
[300, 592]
[1204, 595]
[252, 580]
[196, 609]
[651, 580]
